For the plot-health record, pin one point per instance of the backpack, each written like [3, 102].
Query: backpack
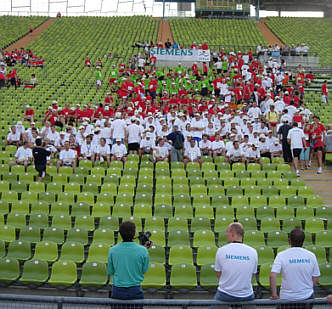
[178, 143]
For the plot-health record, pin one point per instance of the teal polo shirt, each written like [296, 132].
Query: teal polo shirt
[127, 262]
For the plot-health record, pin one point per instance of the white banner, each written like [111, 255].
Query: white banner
[181, 55]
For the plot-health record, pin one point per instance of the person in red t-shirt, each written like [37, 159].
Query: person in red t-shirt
[28, 113]
[205, 46]
[87, 62]
[317, 134]
[325, 93]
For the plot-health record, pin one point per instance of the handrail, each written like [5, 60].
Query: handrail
[153, 302]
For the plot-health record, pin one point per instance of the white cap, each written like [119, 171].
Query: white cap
[262, 136]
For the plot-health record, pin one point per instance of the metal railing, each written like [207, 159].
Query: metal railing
[29, 301]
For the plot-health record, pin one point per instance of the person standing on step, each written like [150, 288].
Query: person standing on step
[40, 155]
[296, 139]
[283, 132]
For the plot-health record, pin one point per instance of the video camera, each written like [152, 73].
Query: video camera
[144, 239]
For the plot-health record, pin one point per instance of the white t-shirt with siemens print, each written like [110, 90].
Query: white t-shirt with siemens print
[237, 263]
[296, 135]
[297, 267]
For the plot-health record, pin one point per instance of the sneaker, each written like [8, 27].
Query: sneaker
[320, 171]
[298, 173]
[309, 164]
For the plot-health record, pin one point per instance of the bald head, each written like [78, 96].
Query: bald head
[235, 232]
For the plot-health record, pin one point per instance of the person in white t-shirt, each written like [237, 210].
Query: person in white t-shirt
[146, 144]
[218, 146]
[161, 152]
[133, 136]
[235, 266]
[296, 139]
[276, 149]
[197, 127]
[118, 128]
[234, 154]
[253, 154]
[67, 157]
[102, 152]
[86, 152]
[23, 155]
[205, 146]
[13, 137]
[299, 271]
[192, 153]
[119, 151]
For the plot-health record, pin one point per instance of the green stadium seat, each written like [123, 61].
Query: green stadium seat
[78, 235]
[208, 278]
[7, 233]
[206, 254]
[35, 272]
[64, 273]
[104, 236]
[180, 254]
[325, 279]
[98, 252]
[93, 275]
[183, 276]
[46, 251]
[203, 238]
[72, 251]
[19, 250]
[155, 277]
[265, 255]
[277, 239]
[319, 252]
[9, 270]
[178, 237]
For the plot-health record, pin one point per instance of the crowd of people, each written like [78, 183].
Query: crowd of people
[234, 107]
[10, 77]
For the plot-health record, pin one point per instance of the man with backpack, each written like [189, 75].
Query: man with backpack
[177, 139]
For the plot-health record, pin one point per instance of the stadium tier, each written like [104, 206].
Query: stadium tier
[315, 32]
[13, 28]
[57, 233]
[230, 34]
[70, 222]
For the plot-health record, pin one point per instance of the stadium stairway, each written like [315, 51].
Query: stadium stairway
[322, 183]
[23, 42]
[164, 31]
[269, 36]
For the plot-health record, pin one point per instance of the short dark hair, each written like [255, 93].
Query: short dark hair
[295, 124]
[237, 228]
[296, 237]
[38, 142]
[127, 230]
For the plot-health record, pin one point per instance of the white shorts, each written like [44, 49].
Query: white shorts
[98, 82]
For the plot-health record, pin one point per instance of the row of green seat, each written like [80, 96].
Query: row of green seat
[177, 229]
[93, 274]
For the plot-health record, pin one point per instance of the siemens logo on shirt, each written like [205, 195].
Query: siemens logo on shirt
[237, 257]
[299, 261]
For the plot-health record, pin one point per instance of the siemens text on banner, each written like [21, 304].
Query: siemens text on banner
[195, 55]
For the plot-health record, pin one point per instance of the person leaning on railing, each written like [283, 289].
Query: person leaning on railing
[299, 269]
[127, 263]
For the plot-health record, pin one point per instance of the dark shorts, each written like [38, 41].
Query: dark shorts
[318, 149]
[41, 169]
[133, 147]
[130, 293]
[296, 152]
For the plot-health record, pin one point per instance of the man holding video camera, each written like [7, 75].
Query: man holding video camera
[127, 262]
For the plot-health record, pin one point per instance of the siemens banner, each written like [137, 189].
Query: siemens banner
[181, 55]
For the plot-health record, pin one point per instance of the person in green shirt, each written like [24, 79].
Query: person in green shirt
[127, 263]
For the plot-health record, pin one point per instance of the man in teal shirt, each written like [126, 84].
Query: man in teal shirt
[127, 262]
